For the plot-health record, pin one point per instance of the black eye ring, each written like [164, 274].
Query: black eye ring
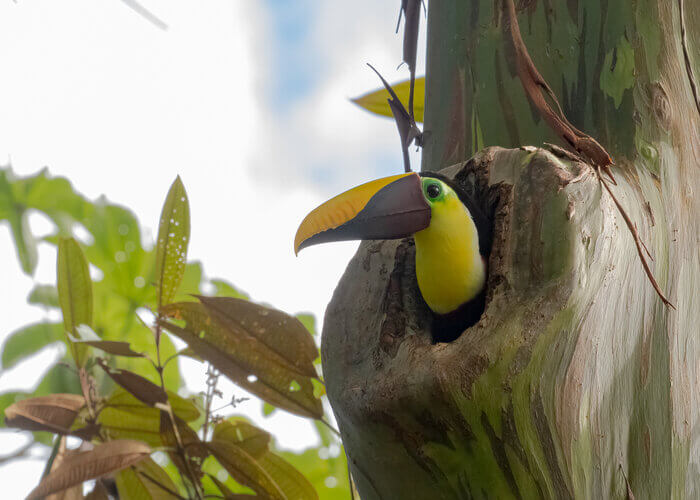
[433, 190]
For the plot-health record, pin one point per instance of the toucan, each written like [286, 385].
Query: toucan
[451, 232]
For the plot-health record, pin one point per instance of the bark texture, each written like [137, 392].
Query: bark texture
[577, 382]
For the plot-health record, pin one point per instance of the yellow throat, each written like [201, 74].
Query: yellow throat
[449, 268]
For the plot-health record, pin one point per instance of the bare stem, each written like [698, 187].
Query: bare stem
[212, 380]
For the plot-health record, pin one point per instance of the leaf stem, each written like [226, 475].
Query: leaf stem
[180, 447]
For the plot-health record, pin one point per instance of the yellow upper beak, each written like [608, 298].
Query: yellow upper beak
[387, 208]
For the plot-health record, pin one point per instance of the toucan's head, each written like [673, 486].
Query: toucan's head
[452, 236]
[388, 208]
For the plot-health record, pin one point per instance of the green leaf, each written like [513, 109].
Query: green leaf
[29, 340]
[376, 101]
[117, 252]
[171, 245]
[268, 409]
[44, 295]
[74, 292]
[289, 480]
[52, 196]
[318, 470]
[15, 213]
[244, 359]
[309, 322]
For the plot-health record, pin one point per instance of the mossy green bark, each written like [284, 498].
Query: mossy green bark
[577, 381]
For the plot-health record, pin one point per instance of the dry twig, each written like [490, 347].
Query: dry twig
[637, 241]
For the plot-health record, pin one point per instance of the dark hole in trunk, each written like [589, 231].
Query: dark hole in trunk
[472, 180]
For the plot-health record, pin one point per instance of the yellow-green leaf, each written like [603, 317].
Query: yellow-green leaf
[245, 469]
[253, 440]
[377, 101]
[183, 408]
[74, 293]
[125, 417]
[288, 479]
[171, 247]
[145, 481]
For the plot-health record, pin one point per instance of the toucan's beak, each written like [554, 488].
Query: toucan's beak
[388, 208]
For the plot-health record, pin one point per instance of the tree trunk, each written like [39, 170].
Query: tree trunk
[577, 382]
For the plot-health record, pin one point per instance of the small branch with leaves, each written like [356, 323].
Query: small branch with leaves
[266, 351]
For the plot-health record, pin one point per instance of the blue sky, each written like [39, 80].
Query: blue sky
[293, 56]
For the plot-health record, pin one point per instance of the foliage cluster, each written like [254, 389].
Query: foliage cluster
[118, 389]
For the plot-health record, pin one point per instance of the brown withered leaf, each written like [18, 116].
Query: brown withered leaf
[251, 439]
[74, 492]
[140, 387]
[87, 336]
[104, 459]
[115, 347]
[53, 413]
[243, 359]
[536, 88]
[245, 469]
[283, 334]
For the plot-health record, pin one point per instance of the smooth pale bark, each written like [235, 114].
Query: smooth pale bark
[577, 381]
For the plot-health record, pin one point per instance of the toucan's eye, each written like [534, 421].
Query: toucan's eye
[433, 190]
